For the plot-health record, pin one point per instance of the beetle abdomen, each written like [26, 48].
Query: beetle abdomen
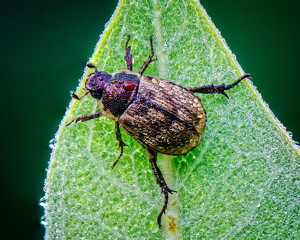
[165, 117]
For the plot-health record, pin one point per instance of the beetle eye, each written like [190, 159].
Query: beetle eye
[129, 85]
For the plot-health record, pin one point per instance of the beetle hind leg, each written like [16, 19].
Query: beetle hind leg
[218, 89]
[121, 143]
[152, 155]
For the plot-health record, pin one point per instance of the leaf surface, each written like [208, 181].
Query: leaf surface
[242, 181]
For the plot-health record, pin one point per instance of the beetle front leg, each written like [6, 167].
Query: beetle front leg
[85, 117]
[218, 89]
[152, 156]
[128, 55]
[121, 143]
[150, 58]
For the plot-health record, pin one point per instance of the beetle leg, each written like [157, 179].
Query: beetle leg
[150, 58]
[152, 156]
[85, 117]
[218, 89]
[121, 143]
[128, 56]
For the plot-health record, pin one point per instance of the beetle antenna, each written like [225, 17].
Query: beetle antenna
[75, 96]
[92, 66]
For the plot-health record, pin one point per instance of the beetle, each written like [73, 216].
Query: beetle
[161, 115]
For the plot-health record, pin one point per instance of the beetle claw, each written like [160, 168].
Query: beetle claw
[121, 143]
[121, 153]
[224, 94]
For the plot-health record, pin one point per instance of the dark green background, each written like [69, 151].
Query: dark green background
[44, 49]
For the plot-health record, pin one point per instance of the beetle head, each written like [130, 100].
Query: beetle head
[95, 83]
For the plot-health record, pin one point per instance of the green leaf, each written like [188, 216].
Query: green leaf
[242, 181]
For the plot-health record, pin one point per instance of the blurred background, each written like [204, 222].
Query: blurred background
[45, 46]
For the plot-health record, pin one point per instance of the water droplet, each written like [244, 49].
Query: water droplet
[43, 221]
[43, 202]
[52, 143]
